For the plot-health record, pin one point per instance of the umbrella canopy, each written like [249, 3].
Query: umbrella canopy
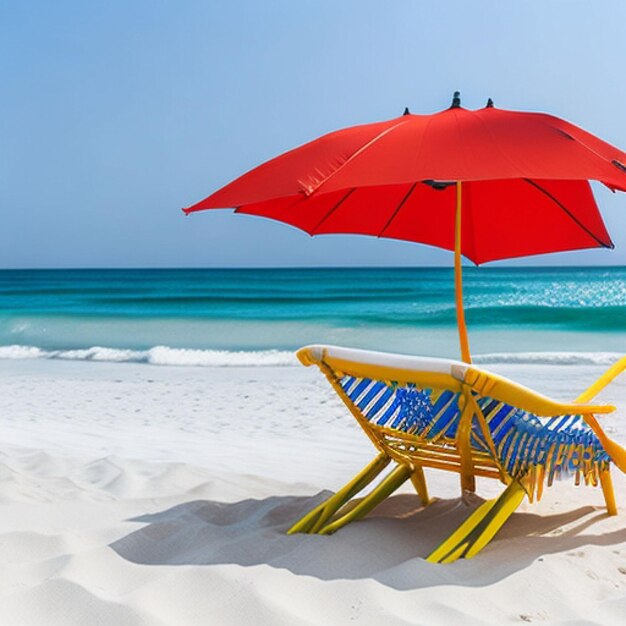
[524, 177]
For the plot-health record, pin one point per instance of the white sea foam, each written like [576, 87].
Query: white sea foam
[22, 352]
[164, 355]
[97, 353]
[549, 358]
[159, 355]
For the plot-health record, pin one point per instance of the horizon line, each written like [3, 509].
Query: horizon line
[306, 267]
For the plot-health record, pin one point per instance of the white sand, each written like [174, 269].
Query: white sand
[136, 494]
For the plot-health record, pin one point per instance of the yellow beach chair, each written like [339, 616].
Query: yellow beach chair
[448, 415]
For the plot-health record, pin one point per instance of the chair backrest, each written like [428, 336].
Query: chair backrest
[439, 374]
[401, 400]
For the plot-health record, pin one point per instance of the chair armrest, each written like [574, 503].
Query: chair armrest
[505, 390]
[613, 372]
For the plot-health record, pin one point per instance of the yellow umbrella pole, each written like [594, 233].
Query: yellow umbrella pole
[458, 280]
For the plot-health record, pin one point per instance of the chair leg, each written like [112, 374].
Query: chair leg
[398, 476]
[419, 482]
[480, 528]
[316, 518]
[607, 489]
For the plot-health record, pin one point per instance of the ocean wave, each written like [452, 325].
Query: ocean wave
[548, 358]
[159, 355]
[164, 355]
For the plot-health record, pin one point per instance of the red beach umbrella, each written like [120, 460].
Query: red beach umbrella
[489, 184]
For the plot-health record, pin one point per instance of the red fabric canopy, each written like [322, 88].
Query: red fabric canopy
[525, 178]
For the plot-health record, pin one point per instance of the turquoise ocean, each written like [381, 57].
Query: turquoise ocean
[260, 316]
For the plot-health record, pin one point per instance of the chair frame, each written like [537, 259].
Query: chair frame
[412, 453]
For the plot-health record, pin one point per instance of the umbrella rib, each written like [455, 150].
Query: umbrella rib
[570, 214]
[397, 209]
[353, 156]
[332, 210]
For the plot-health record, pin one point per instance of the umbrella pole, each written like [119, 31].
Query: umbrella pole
[458, 280]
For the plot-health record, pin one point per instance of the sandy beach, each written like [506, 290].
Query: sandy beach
[138, 494]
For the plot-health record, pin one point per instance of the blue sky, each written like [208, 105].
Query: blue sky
[114, 115]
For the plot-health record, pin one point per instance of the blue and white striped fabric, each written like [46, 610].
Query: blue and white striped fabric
[565, 444]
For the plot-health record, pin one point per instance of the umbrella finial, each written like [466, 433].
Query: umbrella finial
[406, 111]
[489, 104]
[456, 100]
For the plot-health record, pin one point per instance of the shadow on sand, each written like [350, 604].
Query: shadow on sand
[389, 545]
